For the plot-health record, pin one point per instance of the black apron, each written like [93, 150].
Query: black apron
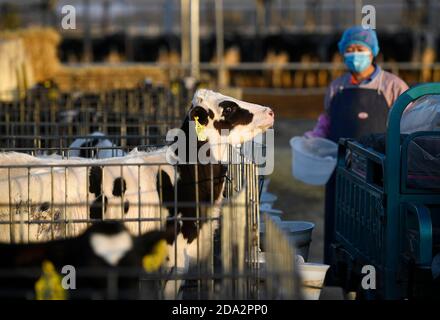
[354, 112]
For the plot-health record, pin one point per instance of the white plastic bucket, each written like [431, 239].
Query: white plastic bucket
[313, 159]
[312, 277]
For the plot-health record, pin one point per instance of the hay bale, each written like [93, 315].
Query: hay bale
[16, 73]
[41, 46]
[115, 76]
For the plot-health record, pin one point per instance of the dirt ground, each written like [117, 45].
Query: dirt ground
[297, 200]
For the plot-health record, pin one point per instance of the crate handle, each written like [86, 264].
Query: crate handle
[424, 226]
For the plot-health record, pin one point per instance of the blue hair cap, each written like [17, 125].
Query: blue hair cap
[359, 35]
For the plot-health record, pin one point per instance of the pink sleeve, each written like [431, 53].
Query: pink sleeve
[392, 87]
[321, 129]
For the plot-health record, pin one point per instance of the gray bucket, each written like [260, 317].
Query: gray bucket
[300, 233]
[270, 211]
[267, 197]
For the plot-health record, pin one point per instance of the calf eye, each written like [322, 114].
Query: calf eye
[228, 107]
[227, 110]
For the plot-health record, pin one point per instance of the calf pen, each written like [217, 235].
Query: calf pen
[48, 124]
[146, 110]
[231, 271]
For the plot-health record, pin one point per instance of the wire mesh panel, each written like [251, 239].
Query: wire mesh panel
[47, 199]
[138, 127]
[59, 194]
[61, 199]
[146, 110]
[281, 275]
[239, 243]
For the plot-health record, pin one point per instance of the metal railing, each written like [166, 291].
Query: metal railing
[35, 218]
[47, 198]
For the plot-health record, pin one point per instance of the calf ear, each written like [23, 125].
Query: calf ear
[201, 113]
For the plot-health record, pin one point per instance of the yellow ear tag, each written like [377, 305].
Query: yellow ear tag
[152, 262]
[48, 286]
[200, 130]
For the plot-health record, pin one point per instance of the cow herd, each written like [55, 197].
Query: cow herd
[168, 200]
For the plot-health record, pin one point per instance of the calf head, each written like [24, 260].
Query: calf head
[220, 120]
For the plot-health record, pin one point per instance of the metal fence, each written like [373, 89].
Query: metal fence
[230, 271]
[122, 112]
[45, 117]
[44, 198]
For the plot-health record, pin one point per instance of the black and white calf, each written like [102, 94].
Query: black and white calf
[90, 258]
[78, 190]
[225, 121]
[141, 185]
[96, 145]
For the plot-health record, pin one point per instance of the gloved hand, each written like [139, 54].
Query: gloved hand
[321, 129]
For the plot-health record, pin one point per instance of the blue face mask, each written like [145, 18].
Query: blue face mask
[357, 61]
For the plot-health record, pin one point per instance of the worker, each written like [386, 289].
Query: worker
[356, 104]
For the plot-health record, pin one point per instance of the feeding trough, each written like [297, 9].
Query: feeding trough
[313, 159]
